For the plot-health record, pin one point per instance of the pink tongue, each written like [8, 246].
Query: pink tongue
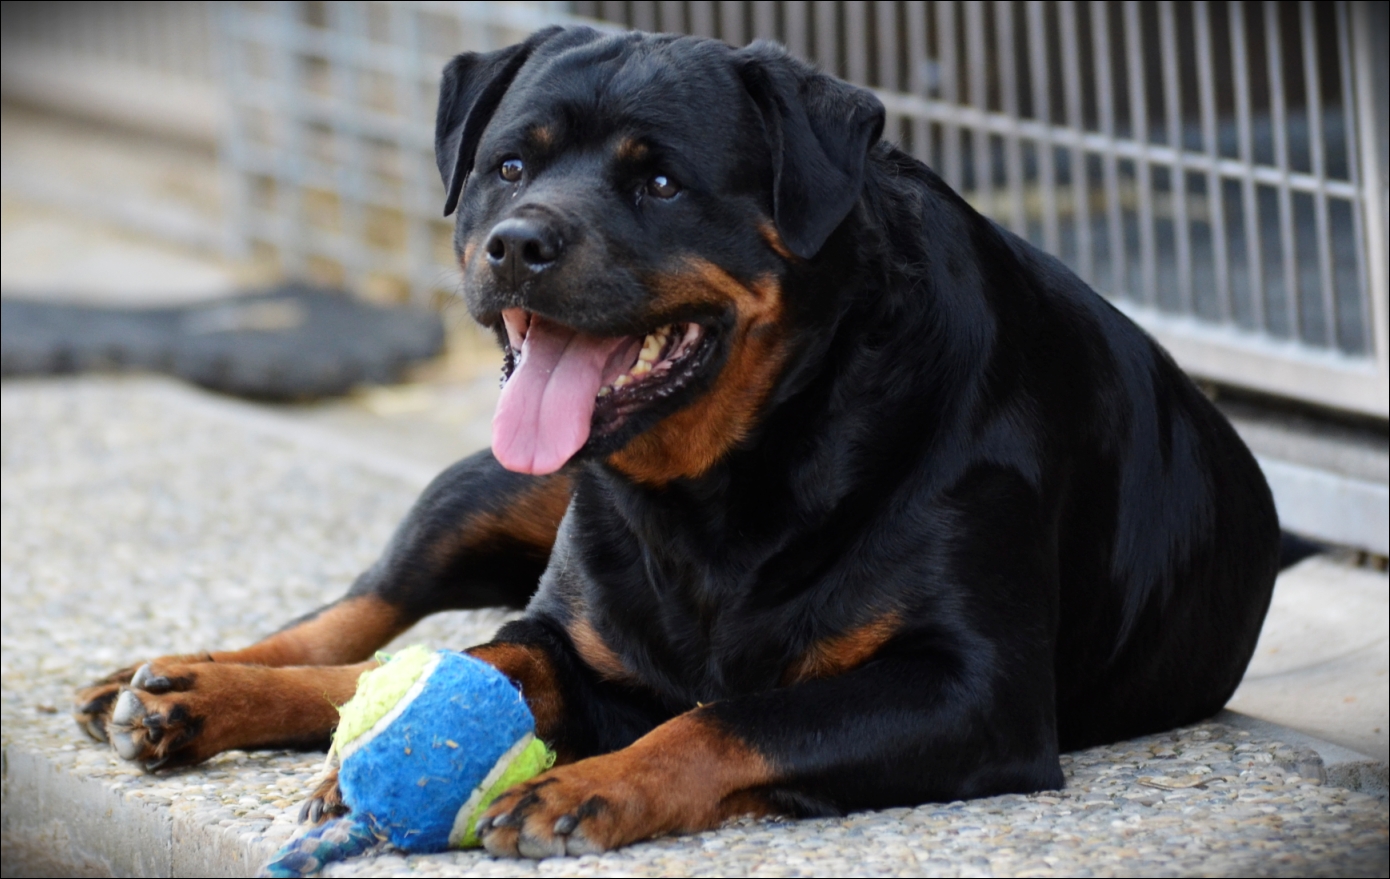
[547, 405]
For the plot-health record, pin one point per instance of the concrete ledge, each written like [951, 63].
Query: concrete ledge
[1334, 764]
[141, 517]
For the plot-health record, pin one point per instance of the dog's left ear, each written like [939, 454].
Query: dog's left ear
[473, 86]
[820, 130]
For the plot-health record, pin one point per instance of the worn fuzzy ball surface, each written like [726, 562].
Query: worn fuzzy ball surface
[428, 741]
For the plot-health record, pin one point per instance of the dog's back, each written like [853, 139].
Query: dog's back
[1167, 541]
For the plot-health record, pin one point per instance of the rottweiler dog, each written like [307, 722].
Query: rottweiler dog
[821, 491]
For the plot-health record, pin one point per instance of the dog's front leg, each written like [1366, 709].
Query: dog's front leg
[478, 536]
[894, 732]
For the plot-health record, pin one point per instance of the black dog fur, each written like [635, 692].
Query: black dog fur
[945, 512]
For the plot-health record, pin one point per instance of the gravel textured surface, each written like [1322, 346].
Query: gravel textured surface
[139, 519]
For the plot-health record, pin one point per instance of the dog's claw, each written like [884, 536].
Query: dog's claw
[128, 709]
[310, 811]
[565, 824]
[158, 764]
[124, 744]
[145, 679]
[90, 725]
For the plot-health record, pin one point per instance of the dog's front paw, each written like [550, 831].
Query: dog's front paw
[92, 704]
[572, 810]
[158, 719]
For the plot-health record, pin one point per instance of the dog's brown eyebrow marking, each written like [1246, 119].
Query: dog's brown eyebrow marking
[541, 136]
[840, 653]
[631, 150]
[773, 238]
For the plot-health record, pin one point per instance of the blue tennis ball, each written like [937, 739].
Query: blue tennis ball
[428, 741]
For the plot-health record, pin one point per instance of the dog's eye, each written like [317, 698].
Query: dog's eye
[662, 186]
[510, 170]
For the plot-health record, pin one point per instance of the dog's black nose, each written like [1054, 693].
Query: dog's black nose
[519, 248]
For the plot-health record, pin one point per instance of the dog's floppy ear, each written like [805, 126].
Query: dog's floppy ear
[473, 86]
[819, 130]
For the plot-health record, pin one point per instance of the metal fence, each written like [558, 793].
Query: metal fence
[1216, 169]
[330, 134]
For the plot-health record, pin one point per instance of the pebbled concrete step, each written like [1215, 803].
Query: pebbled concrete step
[142, 517]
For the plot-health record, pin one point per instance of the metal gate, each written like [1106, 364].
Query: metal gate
[1216, 169]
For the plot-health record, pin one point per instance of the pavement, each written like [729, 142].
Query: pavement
[141, 516]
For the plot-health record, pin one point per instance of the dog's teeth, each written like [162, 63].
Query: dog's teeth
[641, 367]
[622, 381]
[604, 391]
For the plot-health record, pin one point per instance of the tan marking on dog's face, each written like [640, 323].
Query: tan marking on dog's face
[542, 136]
[631, 150]
[840, 653]
[773, 239]
[689, 442]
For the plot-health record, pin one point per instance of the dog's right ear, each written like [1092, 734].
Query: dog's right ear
[473, 86]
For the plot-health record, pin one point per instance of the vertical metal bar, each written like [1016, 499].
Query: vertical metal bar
[289, 157]
[975, 62]
[1172, 101]
[764, 21]
[702, 18]
[1139, 124]
[1313, 106]
[1080, 182]
[1254, 247]
[405, 30]
[948, 64]
[1042, 111]
[347, 21]
[232, 137]
[857, 41]
[827, 29]
[1008, 78]
[1216, 200]
[673, 16]
[795, 21]
[614, 11]
[1357, 123]
[1274, 52]
[731, 22]
[886, 38]
[644, 15]
[1105, 110]
[917, 61]
[1374, 214]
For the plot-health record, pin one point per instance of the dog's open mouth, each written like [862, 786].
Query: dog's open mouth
[563, 384]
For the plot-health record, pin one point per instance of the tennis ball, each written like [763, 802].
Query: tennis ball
[428, 741]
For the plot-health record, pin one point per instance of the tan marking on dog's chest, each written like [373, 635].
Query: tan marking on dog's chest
[840, 653]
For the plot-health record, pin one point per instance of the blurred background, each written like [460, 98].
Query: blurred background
[1217, 169]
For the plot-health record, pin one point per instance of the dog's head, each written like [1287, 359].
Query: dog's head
[628, 207]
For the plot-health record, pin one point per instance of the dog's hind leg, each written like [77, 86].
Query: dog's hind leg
[478, 536]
